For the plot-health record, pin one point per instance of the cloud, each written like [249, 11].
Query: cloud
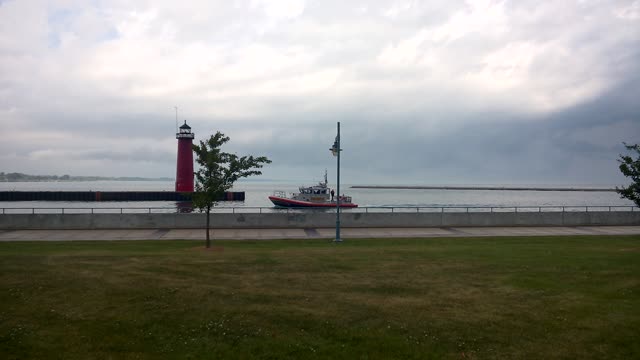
[442, 91]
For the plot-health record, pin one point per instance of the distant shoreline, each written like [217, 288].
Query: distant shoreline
[20, 177]
[84, 180]
[502, 188]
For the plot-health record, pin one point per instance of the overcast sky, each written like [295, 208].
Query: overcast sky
[427, 92]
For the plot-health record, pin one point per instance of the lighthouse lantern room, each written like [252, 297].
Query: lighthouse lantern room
[184, 170]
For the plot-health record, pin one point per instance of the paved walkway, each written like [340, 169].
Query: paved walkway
[321, 233]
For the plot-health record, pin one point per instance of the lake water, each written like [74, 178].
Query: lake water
[257, 192]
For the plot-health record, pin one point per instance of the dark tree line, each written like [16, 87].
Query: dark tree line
[15, 177]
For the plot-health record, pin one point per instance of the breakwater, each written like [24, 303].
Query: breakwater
[500, 188]
[108, 196]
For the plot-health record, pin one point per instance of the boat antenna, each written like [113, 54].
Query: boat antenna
[325, 177]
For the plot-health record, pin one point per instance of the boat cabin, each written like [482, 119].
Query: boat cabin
[317, 193]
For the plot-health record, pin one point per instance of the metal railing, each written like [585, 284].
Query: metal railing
[363, 209]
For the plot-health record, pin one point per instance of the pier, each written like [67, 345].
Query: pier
[502, 188]
[108, 196]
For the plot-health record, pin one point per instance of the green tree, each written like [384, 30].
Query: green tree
[630, 167]
[218, 171]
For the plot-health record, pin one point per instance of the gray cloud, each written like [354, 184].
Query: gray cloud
[426, 92]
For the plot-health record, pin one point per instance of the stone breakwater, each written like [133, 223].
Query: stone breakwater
[500, 188]
[107, 196]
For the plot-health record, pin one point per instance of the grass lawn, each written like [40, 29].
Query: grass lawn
[468, 298]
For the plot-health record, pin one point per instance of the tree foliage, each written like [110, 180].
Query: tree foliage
[630, 167]
[218, 171]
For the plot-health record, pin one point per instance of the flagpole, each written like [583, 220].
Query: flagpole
[338, 188]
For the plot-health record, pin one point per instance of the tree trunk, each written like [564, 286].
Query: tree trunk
[208, 214]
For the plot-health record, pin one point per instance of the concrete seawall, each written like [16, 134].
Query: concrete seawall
[315, 220]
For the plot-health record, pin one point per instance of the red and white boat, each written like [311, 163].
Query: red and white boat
[311, 196]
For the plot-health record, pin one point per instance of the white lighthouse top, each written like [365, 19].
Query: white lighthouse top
[185, 132]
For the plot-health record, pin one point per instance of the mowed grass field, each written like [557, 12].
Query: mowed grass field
[468, 298]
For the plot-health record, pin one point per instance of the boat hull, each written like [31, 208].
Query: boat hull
[285, 202]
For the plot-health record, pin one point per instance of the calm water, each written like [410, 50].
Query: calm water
[256, 194]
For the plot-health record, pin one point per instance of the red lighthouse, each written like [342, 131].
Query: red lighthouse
[184, 171]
